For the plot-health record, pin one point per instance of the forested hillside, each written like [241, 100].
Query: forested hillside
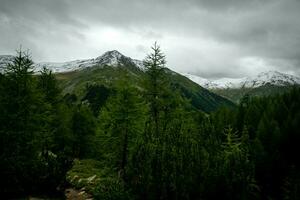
[236, 94]
[146, 141]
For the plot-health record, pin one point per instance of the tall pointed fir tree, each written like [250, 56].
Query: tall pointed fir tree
[164, 155]
[21, 124]
[120, 123]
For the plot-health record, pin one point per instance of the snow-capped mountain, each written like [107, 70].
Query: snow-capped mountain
[115, 58]
[110, 58]
[270, 77]
[213, 84]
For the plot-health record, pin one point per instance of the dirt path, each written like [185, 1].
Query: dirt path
[72, 194]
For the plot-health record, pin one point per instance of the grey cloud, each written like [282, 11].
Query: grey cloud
[266, 29]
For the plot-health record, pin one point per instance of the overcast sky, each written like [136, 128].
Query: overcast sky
[210, 38]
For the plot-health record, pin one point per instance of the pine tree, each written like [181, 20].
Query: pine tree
[21, 125]
[55, 140]
[121, 123]
[83, 129]
[166, 152]
[155, 85]
[238, 169]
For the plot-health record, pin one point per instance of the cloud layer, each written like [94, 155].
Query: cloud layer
[214, 38]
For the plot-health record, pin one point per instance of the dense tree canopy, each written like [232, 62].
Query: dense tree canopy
[124, 142]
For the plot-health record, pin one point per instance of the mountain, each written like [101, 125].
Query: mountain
[265, 83]
[221, 83]
[274, 78]
[110, 58]
[74, 76]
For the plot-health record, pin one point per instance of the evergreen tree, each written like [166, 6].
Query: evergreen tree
[155, 85]
[55, 140]
[21, 125]
[121, 123]
[83, 130]
[165, 155]
[238, 169]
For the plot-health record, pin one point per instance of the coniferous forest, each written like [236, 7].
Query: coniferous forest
[127, 142]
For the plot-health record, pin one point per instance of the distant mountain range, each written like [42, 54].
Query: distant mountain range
[74, 76]
[265, 83]
[274, 78]
[110, 58]
[115, 58]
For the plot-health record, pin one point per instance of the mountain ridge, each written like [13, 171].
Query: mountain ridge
[109, 58]
[271, 77]
[263, 84]
[114, 58]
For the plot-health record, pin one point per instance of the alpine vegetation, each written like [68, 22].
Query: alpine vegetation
[110, 128]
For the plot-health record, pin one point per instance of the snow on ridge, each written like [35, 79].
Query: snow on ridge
[271, 77]
[221, 83]
[110, 58]
[263, 78]
[139, 64]
[115, 58]
[224, 83]
[199, 80]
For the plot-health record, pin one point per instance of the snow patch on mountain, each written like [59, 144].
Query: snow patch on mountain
[199, 80]
[270, 77]
[213, 84]
[139, 64]
[116, 59]
[109, 58]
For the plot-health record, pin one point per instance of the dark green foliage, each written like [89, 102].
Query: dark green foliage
[120, 123]
[36, 130]
[21, 124]
[236, 94]
[83, 129]
[269, 123]
[163, 165]
[149, 140]
[200, 98]
[96, 97]
[100, 77]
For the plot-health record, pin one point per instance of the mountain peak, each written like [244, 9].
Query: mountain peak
[271, 77]
[114, 53]
[111, 54]
[111, 58]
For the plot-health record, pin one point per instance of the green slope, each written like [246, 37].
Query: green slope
[267, 90]
[76, 81]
